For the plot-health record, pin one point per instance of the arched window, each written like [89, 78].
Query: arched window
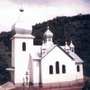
[50, 69]
[78, 68]
[57, 67]
[63, 69]
[24, 46]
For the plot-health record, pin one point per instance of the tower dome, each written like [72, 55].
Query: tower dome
[72, 47]
[67, 48]
[48, 33]
[20, 25]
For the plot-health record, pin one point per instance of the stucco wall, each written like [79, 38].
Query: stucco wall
[79, 75]
[20, 59]
[36, 73]
[50, 59]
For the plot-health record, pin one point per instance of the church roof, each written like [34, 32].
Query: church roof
[71, 54]
[75, 57]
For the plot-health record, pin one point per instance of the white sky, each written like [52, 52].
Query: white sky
[36, 11]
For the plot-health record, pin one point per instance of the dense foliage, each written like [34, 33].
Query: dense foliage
[76, 28]
[5, 56]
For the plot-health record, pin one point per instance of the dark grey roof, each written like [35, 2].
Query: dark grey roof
[66, 53]
[71, 54]
[75, 57]
[61, 49]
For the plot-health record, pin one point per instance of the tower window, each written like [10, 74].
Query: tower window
[50, 69]
[24, 46]
[57, 67]
[63, 69]
[78, 68]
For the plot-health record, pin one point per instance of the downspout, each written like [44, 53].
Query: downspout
[40, 74]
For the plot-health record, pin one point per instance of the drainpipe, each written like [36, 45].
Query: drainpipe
[40, 74]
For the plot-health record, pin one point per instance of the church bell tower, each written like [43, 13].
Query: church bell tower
[22, 45]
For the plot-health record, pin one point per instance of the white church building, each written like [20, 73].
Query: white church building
[46, 64]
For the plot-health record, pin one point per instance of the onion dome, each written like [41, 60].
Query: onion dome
[20, 26]
[67, 46]
[72, 45]
[48, 33]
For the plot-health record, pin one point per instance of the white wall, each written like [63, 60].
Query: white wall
[21, 58]
[36, 75]
[58, 55]
[79, 75]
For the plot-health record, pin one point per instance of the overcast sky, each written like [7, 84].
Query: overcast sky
[36, 11]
